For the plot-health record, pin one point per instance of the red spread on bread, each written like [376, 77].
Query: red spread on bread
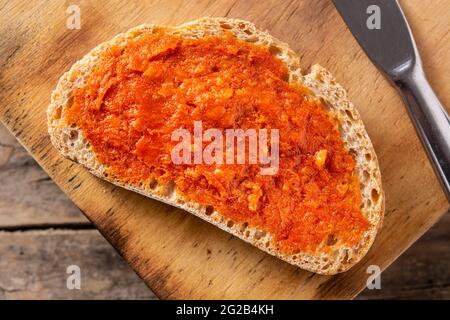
[142, 91]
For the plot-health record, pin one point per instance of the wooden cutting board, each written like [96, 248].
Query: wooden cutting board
[176, 254]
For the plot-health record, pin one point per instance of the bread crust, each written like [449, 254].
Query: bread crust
[70, 141]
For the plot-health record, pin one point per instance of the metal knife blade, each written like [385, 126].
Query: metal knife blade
[391, 47]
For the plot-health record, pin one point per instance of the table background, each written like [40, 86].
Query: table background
[42, 232]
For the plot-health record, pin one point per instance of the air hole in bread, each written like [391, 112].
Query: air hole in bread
[275, 50]
[258, 235]
[350, 114]
[153, 184]
[247, 233]
[366, 175]
[169, 188]
[209, 210]
[374, 195]
[267, 243]
[230, 223]
[325, 267]
[244, 226]
[326, 104]
[73, 134]
[345, 259]
[248, 32]
[58, 113]
[225, 26]
[319, 78]
[368, 156]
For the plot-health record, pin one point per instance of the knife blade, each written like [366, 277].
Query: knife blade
[381, 29]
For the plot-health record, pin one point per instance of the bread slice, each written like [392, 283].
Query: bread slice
[71, 143]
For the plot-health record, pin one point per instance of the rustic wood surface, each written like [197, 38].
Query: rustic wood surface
[176, 254]
[27, 194]
[42, 232]
[32, 267]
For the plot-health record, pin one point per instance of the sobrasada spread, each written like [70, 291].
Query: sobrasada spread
[142, 91]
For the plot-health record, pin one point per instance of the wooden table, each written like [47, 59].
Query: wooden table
[42, 232]
[175, 253]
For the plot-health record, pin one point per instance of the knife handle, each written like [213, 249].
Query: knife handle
[431, 121]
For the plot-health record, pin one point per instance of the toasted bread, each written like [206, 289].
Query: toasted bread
[72, 144]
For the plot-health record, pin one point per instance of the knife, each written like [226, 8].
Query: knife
[382, 31]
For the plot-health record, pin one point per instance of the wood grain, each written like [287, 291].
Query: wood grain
[28, 197]
[40, 237]
[103, 274]
[177, 255]
[422, 272]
